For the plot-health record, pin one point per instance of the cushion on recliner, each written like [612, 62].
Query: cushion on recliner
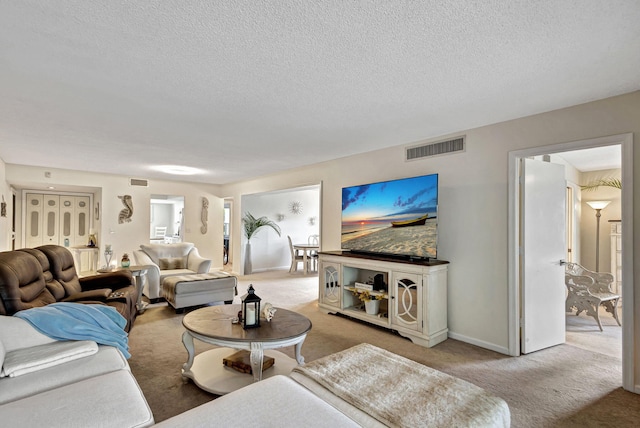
[100, 295]
[56, 289]
[62, 267]
[22, 284]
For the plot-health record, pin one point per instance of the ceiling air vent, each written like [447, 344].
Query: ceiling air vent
[138, 182]
[436, 149]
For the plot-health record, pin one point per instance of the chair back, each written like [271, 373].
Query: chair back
[62, 267]
[22, 284]
[601, 280]
[160, 232]
[314, 240]
[293, 253]
[53, 285]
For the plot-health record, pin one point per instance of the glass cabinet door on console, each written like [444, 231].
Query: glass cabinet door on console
[406, 301]
[330, 290]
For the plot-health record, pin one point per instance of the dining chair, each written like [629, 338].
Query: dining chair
[313, 254]
[160, 231]
[296, 256]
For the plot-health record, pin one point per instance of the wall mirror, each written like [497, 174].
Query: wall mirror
[167, 219]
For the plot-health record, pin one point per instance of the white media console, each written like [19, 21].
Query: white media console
[413, 294]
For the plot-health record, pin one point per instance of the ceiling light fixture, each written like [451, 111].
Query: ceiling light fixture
[178, 169]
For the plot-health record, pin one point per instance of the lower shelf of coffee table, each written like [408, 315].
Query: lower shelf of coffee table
[210, 374]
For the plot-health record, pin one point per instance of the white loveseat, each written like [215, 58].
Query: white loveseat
[168, 260]
[65, 383]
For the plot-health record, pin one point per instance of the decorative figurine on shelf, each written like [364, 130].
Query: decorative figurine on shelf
[268, 311]
[250, 309]
[93, 241]
[108, 253]
[125, 262]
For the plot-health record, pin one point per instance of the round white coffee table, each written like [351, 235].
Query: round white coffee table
[214, 325]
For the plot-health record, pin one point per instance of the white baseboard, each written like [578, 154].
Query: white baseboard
[480, 343]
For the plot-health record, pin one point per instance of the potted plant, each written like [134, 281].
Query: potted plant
[371, 301]
[251, 225]
[605, 182]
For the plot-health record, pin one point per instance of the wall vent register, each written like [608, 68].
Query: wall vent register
[138, 182]
[436, 149]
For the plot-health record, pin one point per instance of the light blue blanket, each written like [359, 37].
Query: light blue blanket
[76, 321]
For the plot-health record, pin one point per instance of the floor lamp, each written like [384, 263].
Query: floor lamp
[598, 206]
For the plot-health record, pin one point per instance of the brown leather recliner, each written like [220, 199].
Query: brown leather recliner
[22, 284]
[32, 277]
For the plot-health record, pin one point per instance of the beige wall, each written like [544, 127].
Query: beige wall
[126, 237]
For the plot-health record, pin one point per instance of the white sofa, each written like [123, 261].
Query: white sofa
[58, 384]
[98, 390]
[168, 260]
[360, 386]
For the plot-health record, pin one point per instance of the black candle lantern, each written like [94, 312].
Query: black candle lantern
[250, 309]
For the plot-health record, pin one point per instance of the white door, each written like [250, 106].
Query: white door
[82, 217]
[33, 220]
[67, 220]
[542, 249]
[50, 212]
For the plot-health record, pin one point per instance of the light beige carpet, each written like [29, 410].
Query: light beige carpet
[567, 385]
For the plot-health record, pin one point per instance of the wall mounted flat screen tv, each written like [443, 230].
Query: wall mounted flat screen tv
[393, 218]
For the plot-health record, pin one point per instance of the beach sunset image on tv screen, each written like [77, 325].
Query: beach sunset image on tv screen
[397, 217]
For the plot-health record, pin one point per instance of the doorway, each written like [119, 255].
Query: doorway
[167, 219]
[516, 299]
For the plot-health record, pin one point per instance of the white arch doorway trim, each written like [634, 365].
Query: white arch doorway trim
[514, 297]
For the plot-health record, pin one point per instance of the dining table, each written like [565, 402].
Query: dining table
[307, 253]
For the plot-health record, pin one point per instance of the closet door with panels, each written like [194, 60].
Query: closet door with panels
[53, 219]
[67, 235]
[50, 216]
[33, 226]
[81, 220]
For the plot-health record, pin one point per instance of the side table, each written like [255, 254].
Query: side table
[138, 272]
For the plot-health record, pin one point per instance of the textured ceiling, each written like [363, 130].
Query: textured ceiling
[245, 88]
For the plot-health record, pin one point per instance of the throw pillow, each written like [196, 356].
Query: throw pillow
[171, 263]
[28, 360]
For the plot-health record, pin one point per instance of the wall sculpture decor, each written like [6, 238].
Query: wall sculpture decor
[205, 215]
[295, 207]
[127, 212]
